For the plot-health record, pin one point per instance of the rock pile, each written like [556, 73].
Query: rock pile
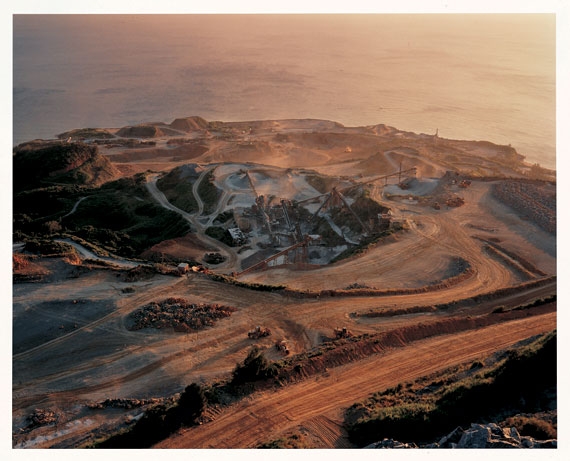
[535, 202]
[179, 314]
[214, 258]
[477, 436]
[123, 403]
[41, 418]
[389, 443]
[489, 436]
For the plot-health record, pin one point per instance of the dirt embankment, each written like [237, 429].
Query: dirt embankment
[109, 360]
[354, 349]
[267, 415]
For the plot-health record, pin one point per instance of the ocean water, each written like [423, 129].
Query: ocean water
[479, 77]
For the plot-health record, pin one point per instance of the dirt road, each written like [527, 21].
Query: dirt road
[230, 263]
[83, 352]
[268, 415]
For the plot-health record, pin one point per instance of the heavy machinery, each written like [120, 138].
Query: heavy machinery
[258, 332]
[281, 346]
[455, 201]
[342, 333]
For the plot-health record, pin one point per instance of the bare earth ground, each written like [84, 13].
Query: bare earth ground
[72, 347]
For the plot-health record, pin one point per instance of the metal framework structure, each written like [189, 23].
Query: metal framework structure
[296, 253]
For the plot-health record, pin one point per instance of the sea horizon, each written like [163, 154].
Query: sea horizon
[476, 77]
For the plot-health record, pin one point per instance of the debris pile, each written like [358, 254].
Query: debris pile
[477, 436]
[179, 314]
[126, 404]
[213, 258]
[535, 202]
[41, 418]
[358, 286]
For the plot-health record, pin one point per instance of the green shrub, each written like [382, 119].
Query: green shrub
[255, 367]
[191, 404]
[219, 233]
[522, 382]
[532, 427]
[209, 193]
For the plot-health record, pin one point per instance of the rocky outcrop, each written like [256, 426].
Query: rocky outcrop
[477, 436]
[389, 443]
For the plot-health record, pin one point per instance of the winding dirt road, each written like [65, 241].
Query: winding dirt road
[230, 262]
[101, 358]
[269, 415]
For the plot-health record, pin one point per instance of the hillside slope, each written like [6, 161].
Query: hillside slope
[39, 165]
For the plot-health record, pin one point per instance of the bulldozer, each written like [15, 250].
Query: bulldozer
[342, 333]
[258, 332]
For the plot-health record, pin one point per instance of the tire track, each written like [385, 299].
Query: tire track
[267, 415]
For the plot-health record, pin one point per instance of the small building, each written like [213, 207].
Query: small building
[183, 268]
[237, 236]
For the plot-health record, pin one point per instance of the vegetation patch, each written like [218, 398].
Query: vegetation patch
[251, 286]
[161, 420]
[255, 367]
[177, 187]
[220, 234]
[179, 314]
[291, 441]
[209, 193]
[56, 162]
[120, 216]
[224, 217]
[47, 247]
[524, 380]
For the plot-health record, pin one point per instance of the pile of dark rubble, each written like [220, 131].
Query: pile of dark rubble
[531, 200]
[214, 258]
[179, 314]
[126, 404]
[41, 418]
[477, 436]
[357, 286]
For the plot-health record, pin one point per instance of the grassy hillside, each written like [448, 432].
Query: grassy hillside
[119, 216]
[523, 381]
[38, 165]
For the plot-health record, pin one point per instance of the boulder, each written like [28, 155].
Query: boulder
[477, 436]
